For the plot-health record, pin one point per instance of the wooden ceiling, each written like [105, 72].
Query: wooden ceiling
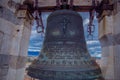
[43, 3]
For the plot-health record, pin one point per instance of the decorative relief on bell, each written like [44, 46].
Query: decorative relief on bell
[64, 24]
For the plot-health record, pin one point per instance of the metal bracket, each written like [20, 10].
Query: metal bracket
[103, 6]
[1, 9]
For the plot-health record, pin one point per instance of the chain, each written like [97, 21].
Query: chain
[71, 4]
[38, 18]
[91, 26]
[58, 4]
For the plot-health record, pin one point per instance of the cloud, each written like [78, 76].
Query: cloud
[34, 50]
[85, 22]
[34, 47]
[44, 17]
[93, 42]
[96, 55]
[33, 34]
[35, 42]
[95, 18]
[94, 48]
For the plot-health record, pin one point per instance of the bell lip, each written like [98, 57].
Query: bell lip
[63, 68]
[98, 75]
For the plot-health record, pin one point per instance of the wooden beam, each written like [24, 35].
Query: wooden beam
[75, 8]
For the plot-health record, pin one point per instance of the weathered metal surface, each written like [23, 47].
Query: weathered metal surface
[64, 55]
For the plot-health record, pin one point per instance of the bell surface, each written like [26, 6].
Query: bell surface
[64, 55]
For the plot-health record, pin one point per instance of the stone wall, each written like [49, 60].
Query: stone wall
[105, 35]
[14, 39]
[109, 35]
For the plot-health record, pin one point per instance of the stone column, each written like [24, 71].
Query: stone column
[109, 35]
[14, 39]
[116, 47]
[105, 36]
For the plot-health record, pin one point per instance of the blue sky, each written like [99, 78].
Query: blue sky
[94, 47]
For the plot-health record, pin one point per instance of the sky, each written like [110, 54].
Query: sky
[36, 39]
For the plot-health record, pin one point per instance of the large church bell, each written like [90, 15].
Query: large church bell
[64, 54]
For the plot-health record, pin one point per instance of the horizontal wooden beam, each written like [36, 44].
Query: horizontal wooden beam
[75, 8]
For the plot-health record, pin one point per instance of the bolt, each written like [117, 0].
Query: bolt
[18, 30]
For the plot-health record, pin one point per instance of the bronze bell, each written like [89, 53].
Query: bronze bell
[64, 54]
